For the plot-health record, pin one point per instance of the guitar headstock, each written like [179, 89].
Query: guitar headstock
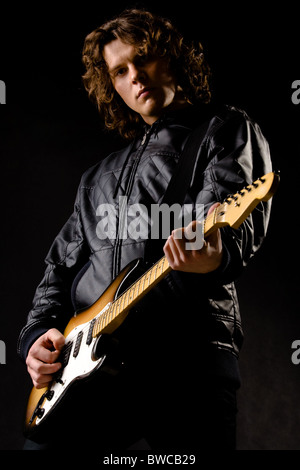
[236, 207]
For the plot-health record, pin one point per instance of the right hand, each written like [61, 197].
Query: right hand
[42, 356]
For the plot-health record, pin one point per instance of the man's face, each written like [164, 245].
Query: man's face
[146, 86]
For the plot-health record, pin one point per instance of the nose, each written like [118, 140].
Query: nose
[137, 74]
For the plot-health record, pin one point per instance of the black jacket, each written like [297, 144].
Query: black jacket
[82, 261]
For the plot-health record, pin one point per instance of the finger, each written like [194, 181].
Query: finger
[55, 338]
[39, 367]
[46, 356]
[41, 383]
[41, 374]
[178, 243]
[213, 207]
[214, 238]
[39, 380]
[173, 253]
[39, 352]
[168, 252]
[194, 236]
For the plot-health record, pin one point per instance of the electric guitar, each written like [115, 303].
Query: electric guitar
[80, 355]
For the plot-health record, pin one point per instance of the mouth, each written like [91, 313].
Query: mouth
[144, 92]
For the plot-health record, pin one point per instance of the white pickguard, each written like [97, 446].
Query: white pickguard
[79, 365]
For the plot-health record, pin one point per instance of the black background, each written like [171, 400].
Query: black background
[50, 133]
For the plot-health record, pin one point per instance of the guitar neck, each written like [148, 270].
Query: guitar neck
[117, 310]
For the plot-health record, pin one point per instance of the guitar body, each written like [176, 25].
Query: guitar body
[82, 354]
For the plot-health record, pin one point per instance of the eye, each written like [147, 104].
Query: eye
[121, 71]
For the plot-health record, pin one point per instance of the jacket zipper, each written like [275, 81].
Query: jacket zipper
[118, 243]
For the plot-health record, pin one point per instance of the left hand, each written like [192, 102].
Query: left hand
[203, 260]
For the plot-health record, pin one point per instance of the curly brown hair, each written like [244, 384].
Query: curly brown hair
[152, 36]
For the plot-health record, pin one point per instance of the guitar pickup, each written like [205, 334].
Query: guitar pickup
[90, 333]
[49, 394]
[65, 354]
[77, 344]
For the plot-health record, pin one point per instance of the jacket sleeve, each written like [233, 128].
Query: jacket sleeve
[52, 305]
[237, 154]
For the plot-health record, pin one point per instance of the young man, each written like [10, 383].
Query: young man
[181, 343]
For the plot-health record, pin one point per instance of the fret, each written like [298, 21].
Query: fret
[144, 280]
[106, 316]
[109, 313]
[165, 264]
[149, 278]
[114, 314]
[101, 324]
[138, 284]
[150, 275]
[125, 304]
[118, 306]
[121, 303]
[156, 268]
[125, 299]
[136, 289]
[146, 283]
[128, 296]
[103, 321]
[161, 265]
[133, 292]
[96, 329]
